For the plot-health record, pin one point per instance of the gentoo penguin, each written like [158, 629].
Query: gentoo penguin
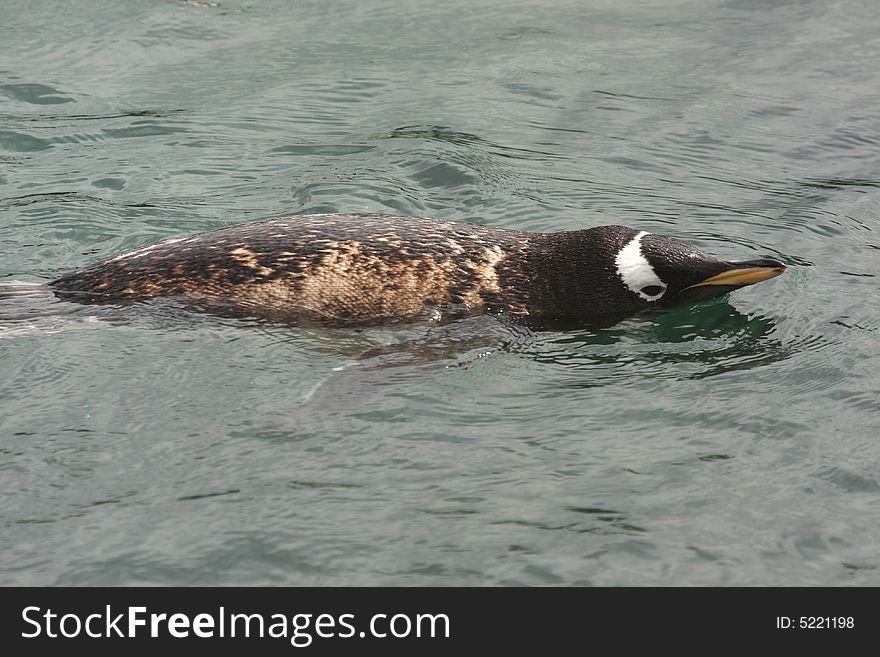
[342, 269]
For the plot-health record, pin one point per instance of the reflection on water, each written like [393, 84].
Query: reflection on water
[692, 342]
[713, 336]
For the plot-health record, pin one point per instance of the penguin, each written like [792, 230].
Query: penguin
[362, 269]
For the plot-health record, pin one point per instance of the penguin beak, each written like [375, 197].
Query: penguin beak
[742, 273]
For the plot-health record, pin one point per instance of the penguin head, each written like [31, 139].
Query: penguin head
[655, 271]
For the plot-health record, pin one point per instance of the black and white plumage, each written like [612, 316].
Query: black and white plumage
[339, 269]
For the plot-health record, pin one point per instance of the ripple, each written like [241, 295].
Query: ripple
[34, 93]
[145, 128]
[19, 142]
[322, 149]
[435, 133]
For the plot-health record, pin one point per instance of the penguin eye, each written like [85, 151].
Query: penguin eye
[652, 290]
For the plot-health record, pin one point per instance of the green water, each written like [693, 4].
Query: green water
[732, 442]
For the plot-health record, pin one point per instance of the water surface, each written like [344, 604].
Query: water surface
[733, 442]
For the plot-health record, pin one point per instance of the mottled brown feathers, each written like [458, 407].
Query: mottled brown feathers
[337, 268]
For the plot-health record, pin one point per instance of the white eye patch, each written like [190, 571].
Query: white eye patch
[636, 272]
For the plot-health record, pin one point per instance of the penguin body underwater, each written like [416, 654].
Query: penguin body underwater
[361, 269]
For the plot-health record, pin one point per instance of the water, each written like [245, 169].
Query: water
[732, 442]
